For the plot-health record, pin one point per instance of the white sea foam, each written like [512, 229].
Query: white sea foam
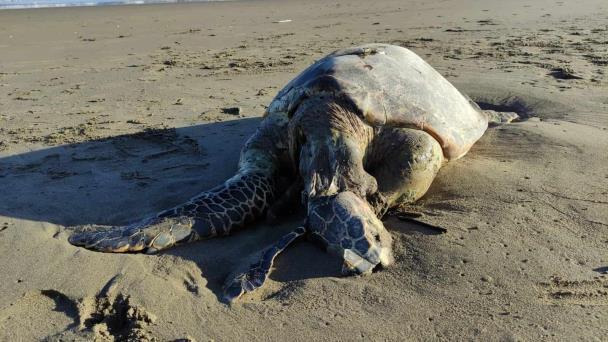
[16, 4]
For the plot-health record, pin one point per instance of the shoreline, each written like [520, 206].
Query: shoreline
[105, 4]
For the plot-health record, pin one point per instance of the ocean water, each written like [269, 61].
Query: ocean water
[11, 4]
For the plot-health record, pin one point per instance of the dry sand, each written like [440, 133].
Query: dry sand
[108, 114]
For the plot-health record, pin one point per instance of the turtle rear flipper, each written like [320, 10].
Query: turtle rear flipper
[255, 271]
[499, 118]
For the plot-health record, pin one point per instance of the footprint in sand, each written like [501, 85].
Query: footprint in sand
[105, 317]
[588, 292]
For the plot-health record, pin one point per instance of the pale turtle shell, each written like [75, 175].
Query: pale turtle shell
[390, 85]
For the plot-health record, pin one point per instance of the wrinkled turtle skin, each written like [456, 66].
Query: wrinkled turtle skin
[358, 132]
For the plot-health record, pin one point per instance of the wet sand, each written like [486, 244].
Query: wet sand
[109, 114]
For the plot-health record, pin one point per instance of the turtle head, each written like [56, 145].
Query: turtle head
[348, 226]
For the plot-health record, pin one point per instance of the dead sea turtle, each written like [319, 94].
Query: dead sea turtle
[359, 131]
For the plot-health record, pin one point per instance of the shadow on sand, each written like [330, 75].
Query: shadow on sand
[122, 178]
[117, 180]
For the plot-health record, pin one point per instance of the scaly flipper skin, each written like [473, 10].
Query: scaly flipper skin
[150, 235]
[213, 213]
[257, 268]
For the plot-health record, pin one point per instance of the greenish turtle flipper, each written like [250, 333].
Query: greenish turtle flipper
[255, 271]
[149, 235]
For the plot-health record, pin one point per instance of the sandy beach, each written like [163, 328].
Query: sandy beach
[112, 113]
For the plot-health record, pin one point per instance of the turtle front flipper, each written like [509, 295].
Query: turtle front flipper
[216, 212]
[149, 235]
[220, 211]
[255, 271]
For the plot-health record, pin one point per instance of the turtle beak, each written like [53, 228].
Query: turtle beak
[370, 252]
